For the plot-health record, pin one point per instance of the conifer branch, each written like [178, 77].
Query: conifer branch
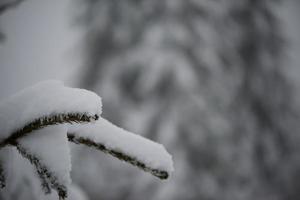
[47, 178]
[44, 121]
[118, 154]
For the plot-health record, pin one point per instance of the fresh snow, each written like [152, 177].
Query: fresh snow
[43, 99]
[112, 137]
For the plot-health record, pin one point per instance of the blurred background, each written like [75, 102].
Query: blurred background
[216, 81]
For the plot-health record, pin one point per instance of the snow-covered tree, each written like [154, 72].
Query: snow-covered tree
[39, 121]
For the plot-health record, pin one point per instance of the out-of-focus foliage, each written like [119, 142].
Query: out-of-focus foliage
[8, 4]
[4, 6]
[206, 79]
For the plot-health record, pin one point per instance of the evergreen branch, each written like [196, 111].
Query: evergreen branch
[47, 178]
[47, 121]
[118, 154]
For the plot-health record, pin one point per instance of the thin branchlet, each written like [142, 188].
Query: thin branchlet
[47, 178]
[118, 154]
[44, 121]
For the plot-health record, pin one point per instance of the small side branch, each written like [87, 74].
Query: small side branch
[42, 122]
[118, 154]
[47, 178]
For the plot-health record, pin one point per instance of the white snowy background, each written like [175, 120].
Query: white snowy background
[39, 46]
[43, 44]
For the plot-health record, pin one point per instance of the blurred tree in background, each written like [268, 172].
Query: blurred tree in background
[4, 6]
[206, 79]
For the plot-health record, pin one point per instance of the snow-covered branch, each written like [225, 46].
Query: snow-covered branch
[40, 120]
[45, 121]
[46, 103]
[131, 148]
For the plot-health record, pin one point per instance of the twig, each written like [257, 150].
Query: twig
[47, 178]
[118, 154]
[44, 121]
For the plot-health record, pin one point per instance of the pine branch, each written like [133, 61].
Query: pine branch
[118, 154]
[47, 178]
[47, 121]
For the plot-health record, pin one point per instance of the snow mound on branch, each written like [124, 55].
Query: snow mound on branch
[50, 146]
[152, 154]
[43, 99]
